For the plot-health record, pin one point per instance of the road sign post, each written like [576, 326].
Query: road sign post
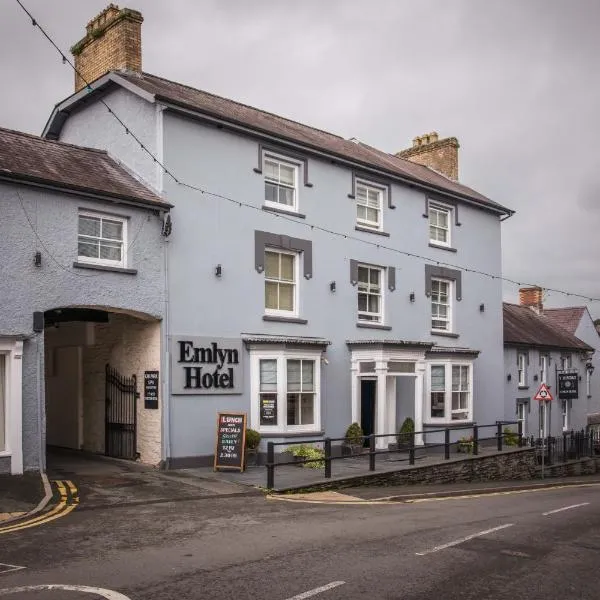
[543, 395]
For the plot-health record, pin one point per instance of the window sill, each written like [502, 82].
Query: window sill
[80, 265]
[369, 230]
[277, 319]
[447, 334]
[440, 247]
[283, 434]
[366, 325]
[282, 211]
[523, 387]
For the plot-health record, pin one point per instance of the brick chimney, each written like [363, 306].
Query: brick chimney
[532, 297]
[113, 40]
[439, 155]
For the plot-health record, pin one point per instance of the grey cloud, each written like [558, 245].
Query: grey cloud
[515, 81]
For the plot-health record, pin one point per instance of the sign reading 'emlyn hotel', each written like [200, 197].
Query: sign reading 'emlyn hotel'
[201, 365]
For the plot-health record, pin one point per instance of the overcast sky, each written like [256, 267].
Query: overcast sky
[516, 81]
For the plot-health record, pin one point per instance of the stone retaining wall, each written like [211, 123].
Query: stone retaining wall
[510, 465]
[582, 466]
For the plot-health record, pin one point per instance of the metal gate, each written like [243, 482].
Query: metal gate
[121, 415]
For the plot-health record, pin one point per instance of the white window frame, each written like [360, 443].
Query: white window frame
[282, 356]
[382, 286]
[282, 160]
[382, 198]
[522, 369]
[447, 418]
[13, 409]
[435, 206]
[450, 305]
[544, 362]
[522, 412]
[566, 362]
[104, 261]
[278, 312]
[565, 413]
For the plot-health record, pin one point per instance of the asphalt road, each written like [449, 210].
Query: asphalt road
[499, 547]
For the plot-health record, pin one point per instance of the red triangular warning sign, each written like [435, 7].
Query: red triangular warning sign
[543, 394]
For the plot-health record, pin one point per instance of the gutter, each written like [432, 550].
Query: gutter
[78, 191]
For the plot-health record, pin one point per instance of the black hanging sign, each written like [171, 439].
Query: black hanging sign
[568, 385]
[268, 410]
[150, 389]
[231, 441]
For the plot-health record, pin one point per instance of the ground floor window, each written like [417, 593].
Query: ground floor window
[565, 413]
[286, 391]
[450, 392]
[522, 410]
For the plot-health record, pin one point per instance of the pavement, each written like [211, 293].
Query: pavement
[20, 494]
[539, 546]
[104, 482]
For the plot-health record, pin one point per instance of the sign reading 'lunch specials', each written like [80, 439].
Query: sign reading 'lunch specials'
[201, 365]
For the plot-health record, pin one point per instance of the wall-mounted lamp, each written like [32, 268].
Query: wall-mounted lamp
[411, 296]
[589, 367]
[482, 307]
[332, 286]
[535, 377]
[508, 377]
[37, 259]
[218, 271]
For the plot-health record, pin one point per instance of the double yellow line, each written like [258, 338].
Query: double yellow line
[68, 501]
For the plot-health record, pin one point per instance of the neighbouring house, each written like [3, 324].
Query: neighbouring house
[541, 346]
[285, 298]
[82, 287]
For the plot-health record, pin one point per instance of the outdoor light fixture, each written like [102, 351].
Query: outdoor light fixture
[535, 377]
[218, 271]
[411, 297]
[37, 259]
[482, 307]
[589, 367]
[508, 377]
[332, 286]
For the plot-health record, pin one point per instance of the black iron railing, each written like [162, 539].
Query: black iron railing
[572, 445]
[501, 435]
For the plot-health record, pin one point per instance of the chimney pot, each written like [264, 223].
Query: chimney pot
[113, 41]
[533, 297]
[441, 157]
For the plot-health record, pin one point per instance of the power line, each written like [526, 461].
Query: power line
[201, 190]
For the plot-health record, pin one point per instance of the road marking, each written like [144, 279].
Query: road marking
[319, 590]
[5, 568]
[62, 509]
[108, 594]
[463, 540]
[551, 512]
[515, 553]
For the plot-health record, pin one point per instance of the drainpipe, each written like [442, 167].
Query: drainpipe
[166, 361]
[40, 404]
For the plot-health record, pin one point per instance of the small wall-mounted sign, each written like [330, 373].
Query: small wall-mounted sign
[151, 389]
[568, 385]
[201, 365]
[268, 409]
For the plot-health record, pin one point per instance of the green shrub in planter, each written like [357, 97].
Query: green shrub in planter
[252, 439]
[511, 438]
[354, 435]
[465, 444]
[310, 453]
[405, 435]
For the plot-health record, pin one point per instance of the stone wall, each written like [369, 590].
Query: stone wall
[582, 466]
[510, 465]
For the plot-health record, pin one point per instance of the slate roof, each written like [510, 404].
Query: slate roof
[522, 326]
[258, 120]
[25, 157]
[568, 318]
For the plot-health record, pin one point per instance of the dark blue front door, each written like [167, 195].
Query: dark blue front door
[367, 406]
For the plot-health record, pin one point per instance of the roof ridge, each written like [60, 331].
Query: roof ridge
[48, 141]
[266, 112]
